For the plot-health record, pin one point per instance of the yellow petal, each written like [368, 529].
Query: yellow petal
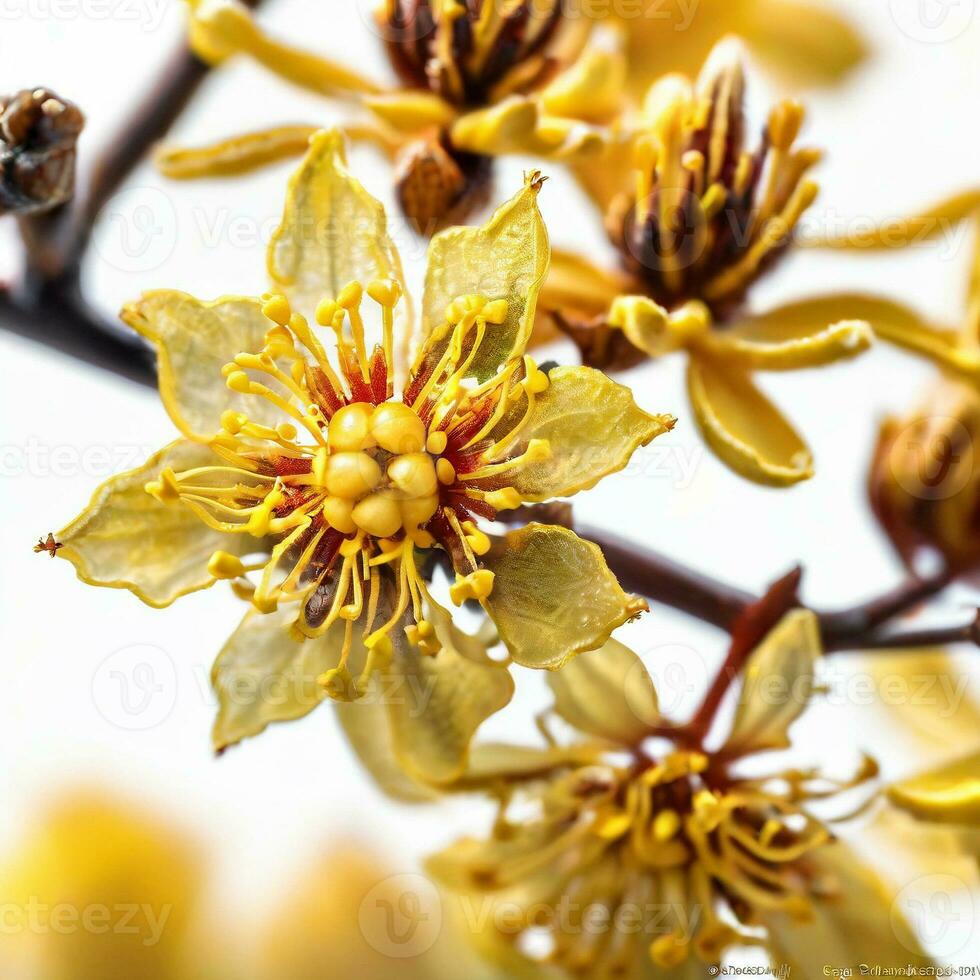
[939, 219]
[410, 110]
[574, 283]
[518, 125]
[778, 684]
[858, 922]
[592, 427]
[554, 596]
[237, 155]
[505, 259]
[332, 232]
[442, 701]
[836, 342]
[263, 675]
[126, 539]
[193, 341]
[222, 28]
[949, 794]
[743, 427]
[366, 725]
[608, 693]
[890, 321]
[593, 88]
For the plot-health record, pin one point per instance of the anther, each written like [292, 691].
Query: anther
[397, 428]
[477, 585]
[413, 474]
[222, 565]
[277, 309]
[436, 443]
[446, 472]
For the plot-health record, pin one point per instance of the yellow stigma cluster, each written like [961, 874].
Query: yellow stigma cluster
[375, 471]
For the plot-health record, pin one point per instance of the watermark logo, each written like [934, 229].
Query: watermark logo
[940, 910]
[401, 917]
[932, 21]
[138, 232]
[932, 459]
[135, 688]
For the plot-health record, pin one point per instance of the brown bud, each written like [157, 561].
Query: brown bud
[924, 482]
[600, 345]
[38, 133]
[438, 186]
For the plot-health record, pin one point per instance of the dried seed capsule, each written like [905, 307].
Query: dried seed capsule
[38, 133]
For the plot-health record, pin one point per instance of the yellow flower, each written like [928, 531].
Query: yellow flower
[698, 216]
[101, 889]
[801, 42]
[479, 80]
[306, 472]
[636, 857]
[924, 484]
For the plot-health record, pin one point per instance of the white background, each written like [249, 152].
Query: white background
[903, 133]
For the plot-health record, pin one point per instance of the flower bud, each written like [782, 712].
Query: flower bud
[924, 482]
[38, 133]
[438, 186]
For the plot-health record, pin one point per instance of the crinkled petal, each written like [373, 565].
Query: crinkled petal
[890, 321]
[410, 111]
[778, 684]
[220, 29]
[948, 794]
[193, 341]
[836, 342]
[236, 155]
[333, 232]
[442, 701]
[607, 693]
[505, 259]
[743, 427]
[554, 596]
[592, 426]
[264, 675]
[126, 539]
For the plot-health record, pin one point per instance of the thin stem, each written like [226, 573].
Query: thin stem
[58, 316]
[912, 640]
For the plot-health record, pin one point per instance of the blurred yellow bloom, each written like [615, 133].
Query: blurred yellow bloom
[638, 859]
[104, 890]
[801, 42]
[328, 501]
[101, 889]
[698, 216]
[478, 81]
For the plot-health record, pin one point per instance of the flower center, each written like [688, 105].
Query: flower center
[355, 480]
